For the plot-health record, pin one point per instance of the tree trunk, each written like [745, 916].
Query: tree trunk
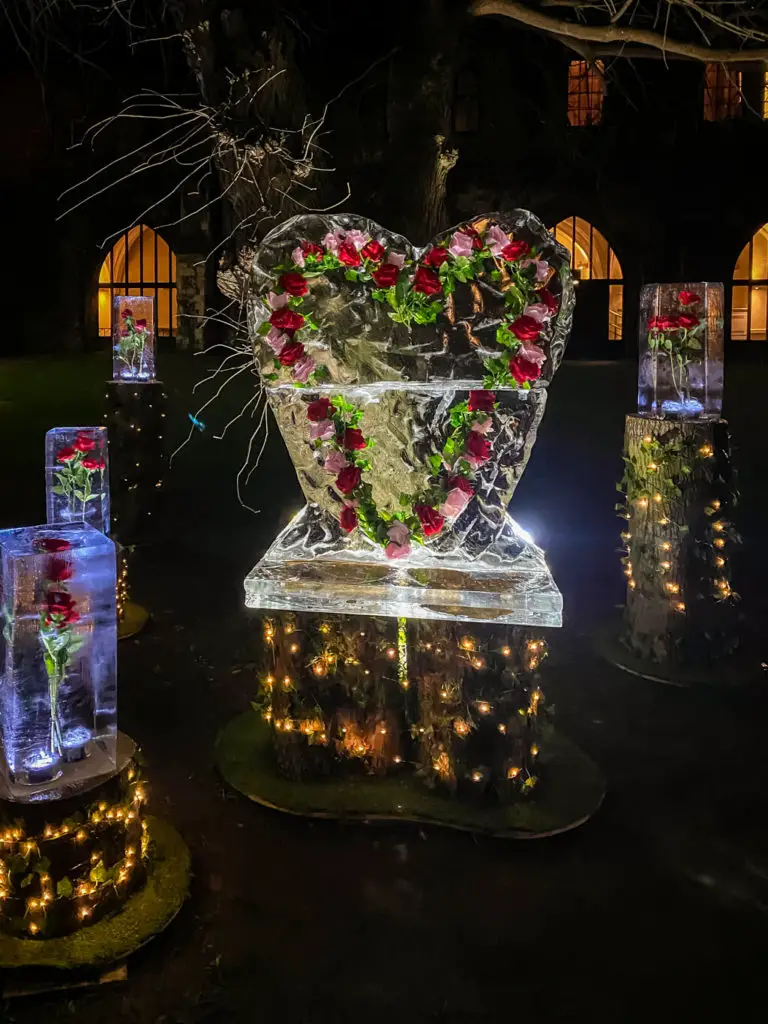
[679, 495]
[419, 119]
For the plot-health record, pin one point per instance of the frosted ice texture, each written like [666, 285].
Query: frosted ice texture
[680, 373]
[133, 338]
[481, 566]
[58, 688]
[77, 476]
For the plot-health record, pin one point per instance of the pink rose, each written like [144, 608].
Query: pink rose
[298, 256]
[334, 462]
[461, 244]
[397, 259]
[397, 550]
[542, 268]
[331, 242]
[483, 426]
[276, 340]
[278, 301]
[495, 239]
[303, 368]
[321, 431]
[399, 533]
[455, 502]
[357, 238]
[533, 353]
[539, 311]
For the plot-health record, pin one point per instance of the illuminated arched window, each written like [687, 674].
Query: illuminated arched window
[592, 259]
[140, 263]
[749, 309]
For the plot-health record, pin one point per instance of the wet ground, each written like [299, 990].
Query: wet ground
[657, 909]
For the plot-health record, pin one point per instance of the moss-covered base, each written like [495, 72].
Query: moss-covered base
[570, 791]
[134, 619]
[142, 917]
[739, 669]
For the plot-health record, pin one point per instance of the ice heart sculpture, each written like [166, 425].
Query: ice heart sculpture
[408, 383]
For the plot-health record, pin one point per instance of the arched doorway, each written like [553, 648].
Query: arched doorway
[600, 297]
[139, 263]
[749, 306]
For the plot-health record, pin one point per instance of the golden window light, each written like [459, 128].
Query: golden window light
[592, 259]
[749, 305]
[139, 263]
[586, 88]
[722, 92]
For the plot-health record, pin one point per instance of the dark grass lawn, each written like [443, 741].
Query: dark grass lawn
[655, 910]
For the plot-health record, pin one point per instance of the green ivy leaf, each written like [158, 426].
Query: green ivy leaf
[64, 888]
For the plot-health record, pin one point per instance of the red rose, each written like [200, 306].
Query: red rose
[481, 401]
[348, 479]
[663, 323]
[66, 454]
[140, 324]
[294, 284]
[526, 328]
[431, 520]
[348, 255]
[477, 242]
[319, 410]
[91, 463]
[348, 518]
[372, 251]
[52, 544]
[286, 319]
[515, 250]
[58, 570]
[688, 320]
[72, 617]
[462, 483]
[549, 300]
[59, 602]
[477, 446]
[426, 281]
[290, 353]
[311, 248]
[386, 275]
[436, 256]
[84, 443]
[523, 369]
[688, 298]
[353, 439]
[126, 313]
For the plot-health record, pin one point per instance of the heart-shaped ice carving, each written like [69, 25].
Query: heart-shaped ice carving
[409, 383]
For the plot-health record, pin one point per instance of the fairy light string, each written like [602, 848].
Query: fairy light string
[358, 691]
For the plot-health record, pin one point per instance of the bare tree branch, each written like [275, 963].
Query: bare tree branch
[617, 34]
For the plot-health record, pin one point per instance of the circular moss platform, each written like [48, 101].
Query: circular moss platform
[571, 790]
[143, 916]
[134, 619]
[740, 669]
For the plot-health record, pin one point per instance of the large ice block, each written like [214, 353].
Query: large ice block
[133, 337]
[58, 688]
[77, 476]
[307, 569]
[680, 373]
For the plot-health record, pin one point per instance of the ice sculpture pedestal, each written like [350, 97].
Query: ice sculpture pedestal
[680, 618]
[304, 571]
[136, 423]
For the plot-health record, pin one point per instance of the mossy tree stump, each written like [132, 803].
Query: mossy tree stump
[679, 496]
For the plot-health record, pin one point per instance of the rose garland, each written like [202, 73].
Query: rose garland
[412, 290]
[335, 432]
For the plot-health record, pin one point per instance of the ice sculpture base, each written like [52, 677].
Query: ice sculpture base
[509, 584]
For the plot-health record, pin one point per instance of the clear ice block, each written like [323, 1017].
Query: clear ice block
[77, 476]
[133, 338]
[680, 372]
[58, 683]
